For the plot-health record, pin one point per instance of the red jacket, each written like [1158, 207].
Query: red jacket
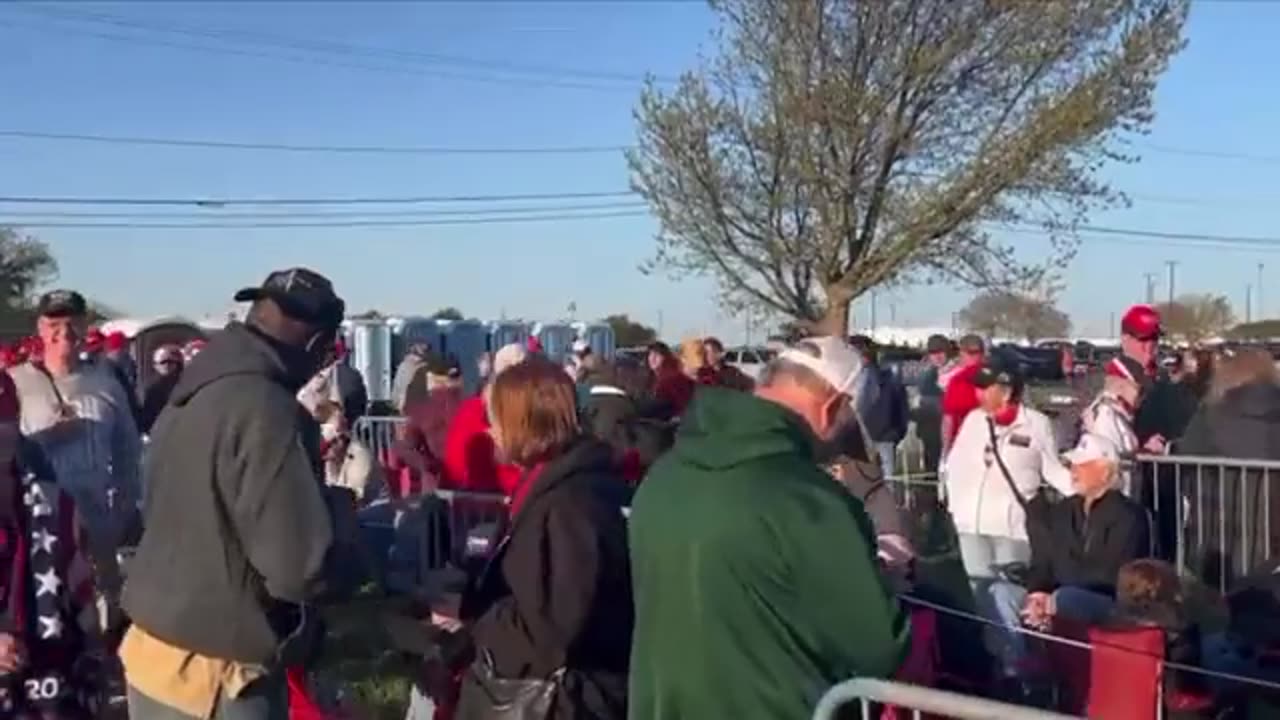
[470, 461]
[673, 388]
[960, 398]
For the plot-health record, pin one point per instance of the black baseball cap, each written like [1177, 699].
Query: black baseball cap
[998, 370]
[302, 294]
[937, 344]
[61, 303]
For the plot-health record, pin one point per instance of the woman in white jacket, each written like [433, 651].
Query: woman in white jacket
[990, 521]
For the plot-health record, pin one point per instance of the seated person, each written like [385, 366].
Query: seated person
[1149, 594]
[1090, 536]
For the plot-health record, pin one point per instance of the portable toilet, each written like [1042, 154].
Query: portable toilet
[599, 336]
[465, 340]
[507, 332]
[557, 340]
[410, 331]
[370, 348]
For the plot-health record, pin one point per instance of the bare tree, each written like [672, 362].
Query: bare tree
[1193, 318]
[1021, 315]
[834, 146]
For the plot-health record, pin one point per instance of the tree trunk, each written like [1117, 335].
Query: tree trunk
[835, 321]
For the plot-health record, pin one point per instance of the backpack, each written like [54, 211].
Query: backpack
[887, 418]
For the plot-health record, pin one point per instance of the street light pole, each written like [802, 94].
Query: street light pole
[1248, 303]
[1262, 310]
[1173, 264]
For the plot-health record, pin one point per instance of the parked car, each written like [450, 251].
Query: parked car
[750, 360]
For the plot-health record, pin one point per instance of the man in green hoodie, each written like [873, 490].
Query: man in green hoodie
[755, 576]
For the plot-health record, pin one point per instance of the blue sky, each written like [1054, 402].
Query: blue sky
[58, 76]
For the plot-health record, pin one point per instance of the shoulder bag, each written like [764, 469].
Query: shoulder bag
[484, 695]
[1036, 508]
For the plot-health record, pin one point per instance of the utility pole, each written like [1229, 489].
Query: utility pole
[873, 312]
[1262, 310]
[1173, 264]
[1151, 287]
[1248, 303]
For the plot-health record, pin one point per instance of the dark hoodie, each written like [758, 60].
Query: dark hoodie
[754, 572]
[1230, 506]
[237, 526]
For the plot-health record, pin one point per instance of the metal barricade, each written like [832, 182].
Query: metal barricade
[918, 700]
[377, 433]
[1217, 512]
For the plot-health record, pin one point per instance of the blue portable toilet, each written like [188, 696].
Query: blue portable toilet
[507, 332]
[408, 331]
[465, 340]
[599, 336]
[557, 340]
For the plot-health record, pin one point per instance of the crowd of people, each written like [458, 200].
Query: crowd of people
[678, 539]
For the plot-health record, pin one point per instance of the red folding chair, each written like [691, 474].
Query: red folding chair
[923, 659]
[1118, 678]
[301, 705]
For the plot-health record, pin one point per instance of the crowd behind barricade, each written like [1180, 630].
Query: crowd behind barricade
[610, 538]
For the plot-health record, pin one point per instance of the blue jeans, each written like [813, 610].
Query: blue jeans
[995, 599]
[264, 699]
[1081, 605]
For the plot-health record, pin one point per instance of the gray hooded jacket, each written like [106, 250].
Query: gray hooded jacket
[237, 526]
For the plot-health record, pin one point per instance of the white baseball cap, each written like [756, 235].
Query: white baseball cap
[830, 358]
[1093, 447]
[507, 356]
[581, 347]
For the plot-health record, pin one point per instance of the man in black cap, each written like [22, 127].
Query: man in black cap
[928, 415]
[82, 417]
[238, 527]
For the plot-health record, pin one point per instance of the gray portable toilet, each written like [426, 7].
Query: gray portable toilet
[371, 355]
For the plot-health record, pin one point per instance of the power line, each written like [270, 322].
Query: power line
[420, 69]
[228, 202]
[331, 46]
[403, 214]
[350, 149]
[397, 70]
[339, 224]
[1215, 154]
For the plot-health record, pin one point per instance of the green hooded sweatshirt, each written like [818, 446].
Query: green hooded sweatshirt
[755, 578]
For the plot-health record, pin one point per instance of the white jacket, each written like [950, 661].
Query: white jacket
[977, 493]
[1108, 416]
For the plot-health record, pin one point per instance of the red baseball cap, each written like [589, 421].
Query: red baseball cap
[116, 340]
[1141, 322]
[94, 339]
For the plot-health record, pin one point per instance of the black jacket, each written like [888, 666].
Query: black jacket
[1087, 551]
[1228, 529]
[154, 398]
[558, 592]
[237, 526]
[614, 417]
